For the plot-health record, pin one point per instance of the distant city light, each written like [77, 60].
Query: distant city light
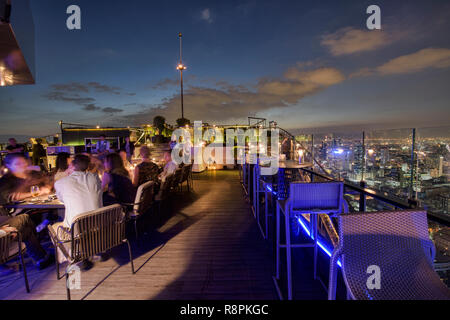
[338, 151]
[371, 152]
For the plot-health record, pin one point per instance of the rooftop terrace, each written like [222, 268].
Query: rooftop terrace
[209, 247]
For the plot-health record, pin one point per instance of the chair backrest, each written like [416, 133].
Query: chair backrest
[362, 231]
[398, 243]
[166, 186]
[144, 198]
[177, 177]
[5, 245]
[316, 195]
[97, 231]
[186, 172]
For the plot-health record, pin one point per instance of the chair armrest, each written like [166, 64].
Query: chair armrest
[332, 283]
[345, 205]
[130, 204]
[19, 236]
[432, 249]
[62, 230]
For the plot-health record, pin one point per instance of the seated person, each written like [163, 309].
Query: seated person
[116, 182]
[80, 192]
[62, 168]
[128, 147]
[146, 170]
[127, 164]
[23, 224]
[95, 165]
[102, 147]
[16, 184]
[14, 147]
[169, 168]
[38, 153]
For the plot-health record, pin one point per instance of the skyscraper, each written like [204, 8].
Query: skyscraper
[441, 166]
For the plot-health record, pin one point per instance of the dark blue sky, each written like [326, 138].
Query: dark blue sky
[305, 64]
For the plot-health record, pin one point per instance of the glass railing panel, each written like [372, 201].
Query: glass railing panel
[388, 165]
[341, 155]
[431, 183]
[303, 148]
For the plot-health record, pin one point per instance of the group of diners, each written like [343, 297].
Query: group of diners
[83, 183]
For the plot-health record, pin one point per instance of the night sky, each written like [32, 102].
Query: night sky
[304, 64]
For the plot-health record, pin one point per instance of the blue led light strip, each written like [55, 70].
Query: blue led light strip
[322, 246]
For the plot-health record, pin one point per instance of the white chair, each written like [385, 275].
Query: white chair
[143, 202]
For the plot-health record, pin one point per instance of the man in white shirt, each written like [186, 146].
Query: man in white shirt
[80, 192]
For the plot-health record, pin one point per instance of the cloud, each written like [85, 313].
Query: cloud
[91, 107]
[86, 87]
[437, 58]
[423, 59]
[230, 102]
[97, 87]
[94, 107]
[111, 110]
[70, 87]
[71, 92]
[350, 40]
[206, 15]
[64, 97]
[165, 83]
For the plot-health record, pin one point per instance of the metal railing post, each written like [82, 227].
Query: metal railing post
[413, 164]
[363, 164]
[362, 197]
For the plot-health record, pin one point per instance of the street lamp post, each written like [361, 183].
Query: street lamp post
[181, 67]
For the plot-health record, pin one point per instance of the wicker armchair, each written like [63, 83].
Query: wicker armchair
[398, 244]
[178, 175]
[164, 193]
[165, 188]
[91, 233]
[186, 176]
[143, 202]
[9, 251]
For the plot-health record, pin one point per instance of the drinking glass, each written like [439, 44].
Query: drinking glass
[34, 191]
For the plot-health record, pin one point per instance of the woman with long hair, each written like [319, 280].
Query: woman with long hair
[62, 166]
[116, 182]
[146, 170]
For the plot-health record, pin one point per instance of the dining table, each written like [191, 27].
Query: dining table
[39, 202]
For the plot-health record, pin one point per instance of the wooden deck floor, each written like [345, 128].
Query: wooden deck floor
[210, 248]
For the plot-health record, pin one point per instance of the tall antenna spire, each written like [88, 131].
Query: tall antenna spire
[181, 68]
[181, 47]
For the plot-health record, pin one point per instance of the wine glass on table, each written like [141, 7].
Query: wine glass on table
[35, 191]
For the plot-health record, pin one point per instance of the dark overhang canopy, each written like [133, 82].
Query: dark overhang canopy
[16, 44]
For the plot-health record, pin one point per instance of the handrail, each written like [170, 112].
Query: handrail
[410, 204]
